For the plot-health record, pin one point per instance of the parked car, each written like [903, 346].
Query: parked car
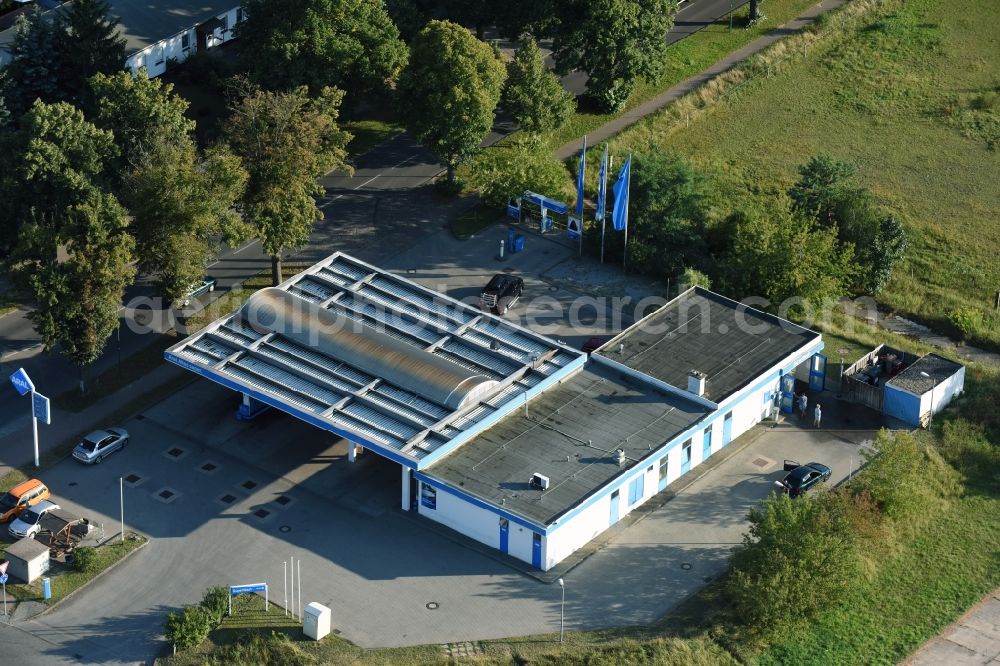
[22, 496]
[801, 478]
[197, 289]
[99, 444]
[501, 293]
[30, 521]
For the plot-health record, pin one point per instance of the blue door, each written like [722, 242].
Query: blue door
[614, 508]
[504, 534]
[635, 490]
[817, 373]
[664, 463]
[727, 429]
[536, 550]
[686, 457]
[706, 443]
[788, 393]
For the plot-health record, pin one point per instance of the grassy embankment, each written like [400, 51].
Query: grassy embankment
[912, 98]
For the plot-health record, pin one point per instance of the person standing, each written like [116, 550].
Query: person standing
[803, 404]
[817, 415]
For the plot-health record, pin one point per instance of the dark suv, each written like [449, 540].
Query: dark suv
[501, 293]
[801, 478]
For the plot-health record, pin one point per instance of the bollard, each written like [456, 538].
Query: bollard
[501, 248]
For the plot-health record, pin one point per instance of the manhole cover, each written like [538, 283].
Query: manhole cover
[166, 494]
[209, 467]
[285, 529]
[175, 452]
[227, 499]
[249, 485]
[283, 500]
[262, 513]
[686, 566]
[432, 605]
[762, 463]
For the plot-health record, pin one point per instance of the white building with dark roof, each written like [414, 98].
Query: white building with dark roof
[500, 433]
[157, 32]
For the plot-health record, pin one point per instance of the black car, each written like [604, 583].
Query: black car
[502, 292]
[801, 478]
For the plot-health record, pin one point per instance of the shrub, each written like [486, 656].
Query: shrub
[694, 278]
[188, 628]
[85, 559]
[252, 648]
[216, 603]
[968, 320]
[798, 557]
[499, 173]
[966, 447]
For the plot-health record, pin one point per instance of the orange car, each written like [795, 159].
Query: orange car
[20, 497]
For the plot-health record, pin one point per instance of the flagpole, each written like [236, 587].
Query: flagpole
[607, 167]
[583, 176]
[628, 189]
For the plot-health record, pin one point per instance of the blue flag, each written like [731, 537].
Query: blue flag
[579, 179]
[602, 185]
[619, 214]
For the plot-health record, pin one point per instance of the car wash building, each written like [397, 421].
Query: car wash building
[502, 434]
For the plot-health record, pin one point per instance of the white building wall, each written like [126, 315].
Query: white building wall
[154, 57]
[579, 530]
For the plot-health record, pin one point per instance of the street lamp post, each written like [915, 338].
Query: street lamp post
[562, 611]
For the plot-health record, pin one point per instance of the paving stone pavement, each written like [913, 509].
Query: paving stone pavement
[973, 640]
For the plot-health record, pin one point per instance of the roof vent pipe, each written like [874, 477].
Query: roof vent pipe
[696, 383]
[620, 456]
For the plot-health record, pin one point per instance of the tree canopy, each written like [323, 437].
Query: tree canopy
[451, 89]
[286, 141]
[533, 95]
[615, 42]
[501, 173]
[351, 44]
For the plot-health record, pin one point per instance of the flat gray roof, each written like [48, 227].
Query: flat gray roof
[569, 434]
[700, 330]
[145, 23]
[373, 398]
[937, 368]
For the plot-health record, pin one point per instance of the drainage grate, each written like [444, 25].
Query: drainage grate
[761, 463]
[262, 513]
[133, 479]
[175, 452]
[227, 499]
[283, 500]
[166, 495]
[208, 467]
[249, 484]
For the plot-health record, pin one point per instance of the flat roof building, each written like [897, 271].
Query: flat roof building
[502, 434]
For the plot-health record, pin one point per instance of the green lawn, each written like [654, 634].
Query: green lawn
[912, 100]
[368, 134]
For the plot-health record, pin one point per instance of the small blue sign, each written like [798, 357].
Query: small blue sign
[46, 588]
[40, 407]
[3, 579]
[22, 382]
[235, 590]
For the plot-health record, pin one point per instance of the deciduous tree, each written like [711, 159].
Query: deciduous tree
[350, 44]
[615, 42]
[533, 95]
[286, 141]
[451, 89]
[503, 172]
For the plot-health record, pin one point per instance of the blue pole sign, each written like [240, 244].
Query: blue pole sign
[253, 588]
[22, 382]
[40, 408]
[3, 579]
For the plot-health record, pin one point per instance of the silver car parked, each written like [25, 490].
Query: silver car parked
[30, 521]
[99, 444]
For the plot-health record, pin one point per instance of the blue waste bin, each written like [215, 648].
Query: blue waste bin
[518, 245]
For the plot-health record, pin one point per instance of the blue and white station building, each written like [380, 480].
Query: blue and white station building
[504, 435]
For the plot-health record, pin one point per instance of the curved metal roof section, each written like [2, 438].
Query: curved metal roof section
[331, 332]
[376, 358]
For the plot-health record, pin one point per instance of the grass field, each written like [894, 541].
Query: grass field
[912, 100]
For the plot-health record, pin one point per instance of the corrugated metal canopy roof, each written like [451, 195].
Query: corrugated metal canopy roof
[453, 366]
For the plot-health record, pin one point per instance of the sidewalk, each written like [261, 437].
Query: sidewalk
[973, 639]
[666, 98]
